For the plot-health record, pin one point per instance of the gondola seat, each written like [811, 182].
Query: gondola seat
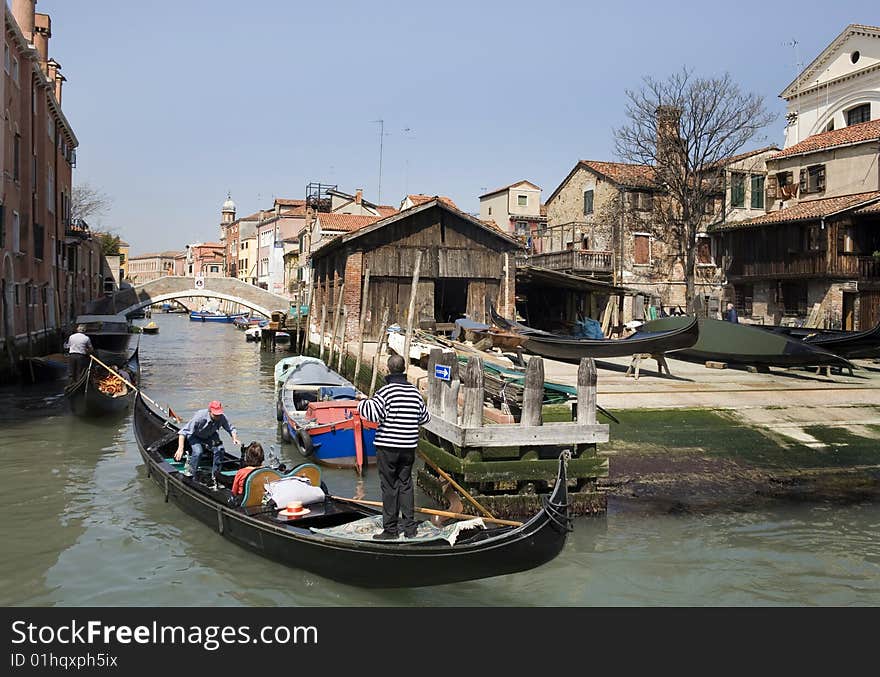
[255, 483]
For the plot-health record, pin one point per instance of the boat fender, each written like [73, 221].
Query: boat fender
[285, 433]
[279, 410]
[306, 446]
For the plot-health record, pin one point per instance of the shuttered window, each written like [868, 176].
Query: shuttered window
[737, 190]
[757, 201]
[588, 202]
[641, 252]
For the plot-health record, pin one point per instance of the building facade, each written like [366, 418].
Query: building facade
[148, 267]
[515, 209]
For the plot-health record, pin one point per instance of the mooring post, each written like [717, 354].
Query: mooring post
[380, 339]
[299, 299]
[533, 393]
[365, 304]
[435, 385]
[586, 391]
[412, 308]
[321, 334]
[342, 340]
[450, 388]
[335, 326]
[472, 393]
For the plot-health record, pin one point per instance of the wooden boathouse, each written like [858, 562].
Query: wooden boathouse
[463, 261]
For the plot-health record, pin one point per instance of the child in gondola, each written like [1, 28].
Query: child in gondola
[253, 458]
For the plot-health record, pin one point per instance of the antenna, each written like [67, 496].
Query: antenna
[407, 135]
[381, 140]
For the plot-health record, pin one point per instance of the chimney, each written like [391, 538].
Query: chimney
[23, 12]
[42, 33]
[59, 79]
[668, 139]
[359, 196]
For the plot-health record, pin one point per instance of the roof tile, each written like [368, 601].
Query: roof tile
[345, 222]
[864, 131]
[639, 176]
[805, 211]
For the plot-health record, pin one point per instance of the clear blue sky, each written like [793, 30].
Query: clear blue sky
[175, 103]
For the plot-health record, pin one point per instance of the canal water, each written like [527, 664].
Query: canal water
[84, 526]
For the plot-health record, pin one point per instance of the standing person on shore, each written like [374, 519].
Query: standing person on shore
[79, 345]
[203, 428]
[730, 314]
[399, 409]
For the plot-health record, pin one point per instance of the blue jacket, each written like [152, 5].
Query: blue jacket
[202, 428]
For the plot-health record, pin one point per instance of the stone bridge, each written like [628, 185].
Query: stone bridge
[172, 287]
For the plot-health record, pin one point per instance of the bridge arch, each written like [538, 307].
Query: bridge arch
[207, 293]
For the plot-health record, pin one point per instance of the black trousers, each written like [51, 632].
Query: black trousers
[395, 479]
[78, 364]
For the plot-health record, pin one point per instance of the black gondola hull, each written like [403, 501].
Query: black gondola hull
[848, 344]
[362, 563]
[87, 400]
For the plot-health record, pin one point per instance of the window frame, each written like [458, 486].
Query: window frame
[647, 237]
[862, 107]
[738, 192]
[522, 200]
[592, 193]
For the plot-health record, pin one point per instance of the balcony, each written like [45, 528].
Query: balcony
[576, 261]
[77, 228]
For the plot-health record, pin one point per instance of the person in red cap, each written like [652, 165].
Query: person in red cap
[203, 428]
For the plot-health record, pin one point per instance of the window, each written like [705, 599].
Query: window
[490, 211]
[16, 157]
[16, 232]
[830, 126]
[737, 189]
[50, 127]
[742, 299]
[704, 250]
[215, 269]
[50, 191]
[846, 243]
[786, 188]
[522, 200]
[641, 250]
[522, 227]
[588, 201]
[858, 114]
[813, 179]
[644, 202]
[757, 191]
[39, 240]
[814, 238]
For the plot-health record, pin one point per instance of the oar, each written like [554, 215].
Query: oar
[431, 511]
[128, 383]
[464, 493]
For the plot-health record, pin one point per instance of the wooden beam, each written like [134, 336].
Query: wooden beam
[586, 391]
[472, 393]
[514, 435]
[321, 334]
[365, 304]
[449, 389]
[435, 385]
[412, 307]
[380, 340]
[533, 393]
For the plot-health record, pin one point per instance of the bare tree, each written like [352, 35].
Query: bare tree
[86, 202]
[686, 127]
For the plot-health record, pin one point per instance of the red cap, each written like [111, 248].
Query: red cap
[215, 407]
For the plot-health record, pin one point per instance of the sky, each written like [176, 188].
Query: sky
[177, 103]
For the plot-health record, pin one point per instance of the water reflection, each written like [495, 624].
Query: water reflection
[86, 527]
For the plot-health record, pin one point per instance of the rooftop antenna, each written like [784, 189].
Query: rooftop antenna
[381, 140]
[407, 135]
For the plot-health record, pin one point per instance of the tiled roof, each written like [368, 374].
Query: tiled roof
[509, 186]
[864, 131]
[638, 176]
[741, 156]
[421, 199]
[345, 222]
[289, 203]
[805, 211]
[870, 209]
[386, 210]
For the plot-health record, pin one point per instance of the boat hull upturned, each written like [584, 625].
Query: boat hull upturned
[573, 349]
[476, 554]
[734, 343]
[849, 344]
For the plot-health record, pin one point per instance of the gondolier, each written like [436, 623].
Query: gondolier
[79, 345]
[203, 428]
[399, 409]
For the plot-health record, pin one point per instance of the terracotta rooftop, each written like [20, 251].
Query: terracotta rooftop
[386, 210]
[742, 156]
[420, 199]
[862, 132]
[870, 209]
[638, 176]
[805, 211]
[345, 222]
[284, 202]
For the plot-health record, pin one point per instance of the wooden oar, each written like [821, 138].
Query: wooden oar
[458, 487]
[432, 511]
[131, 385]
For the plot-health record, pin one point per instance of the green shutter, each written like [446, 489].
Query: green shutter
[757, 192]
[588, 202]
[737, 190]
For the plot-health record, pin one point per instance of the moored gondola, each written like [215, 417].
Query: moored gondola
[574, 348]
[307, 543]
[849, 344]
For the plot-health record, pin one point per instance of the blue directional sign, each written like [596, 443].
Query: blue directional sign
[441, 371]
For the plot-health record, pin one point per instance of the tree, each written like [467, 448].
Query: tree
[686, 127]
[86, 202]
[109, 243]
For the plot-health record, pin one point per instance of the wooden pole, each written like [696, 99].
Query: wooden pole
[432, 511]
[472, 393]
[533, 393]
[365, 305]
[435, 385]
[380, 339]
[412, 309]
[450, 388]
[299, 293]
[313, 293]
[342, 340]
[457, 486]
[335, 326]
[586, 391]
[321, 334]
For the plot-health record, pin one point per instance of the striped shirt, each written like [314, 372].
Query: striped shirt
[399, 410]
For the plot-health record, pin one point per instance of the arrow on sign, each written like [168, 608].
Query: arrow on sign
[441, 371]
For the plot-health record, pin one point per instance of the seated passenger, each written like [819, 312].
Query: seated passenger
[253, 458]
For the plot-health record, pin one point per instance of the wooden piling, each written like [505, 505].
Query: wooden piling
[435, 385]
[472, 393]
[586, 391]
[533, 393]
[380, 339]
[342, 340]
[450, 388]
[337, 315]
[297, 342]
[412, 309]
[365, 304]
[321, 333]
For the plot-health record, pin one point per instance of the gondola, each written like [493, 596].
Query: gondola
[96, 392]
[151, 328]
[848, 344]
[107, 332]
[732, 343]
[574, 348]
[214, 316]
[477, 553]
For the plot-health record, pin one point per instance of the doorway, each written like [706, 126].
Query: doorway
[848, 321]
[450, 299]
